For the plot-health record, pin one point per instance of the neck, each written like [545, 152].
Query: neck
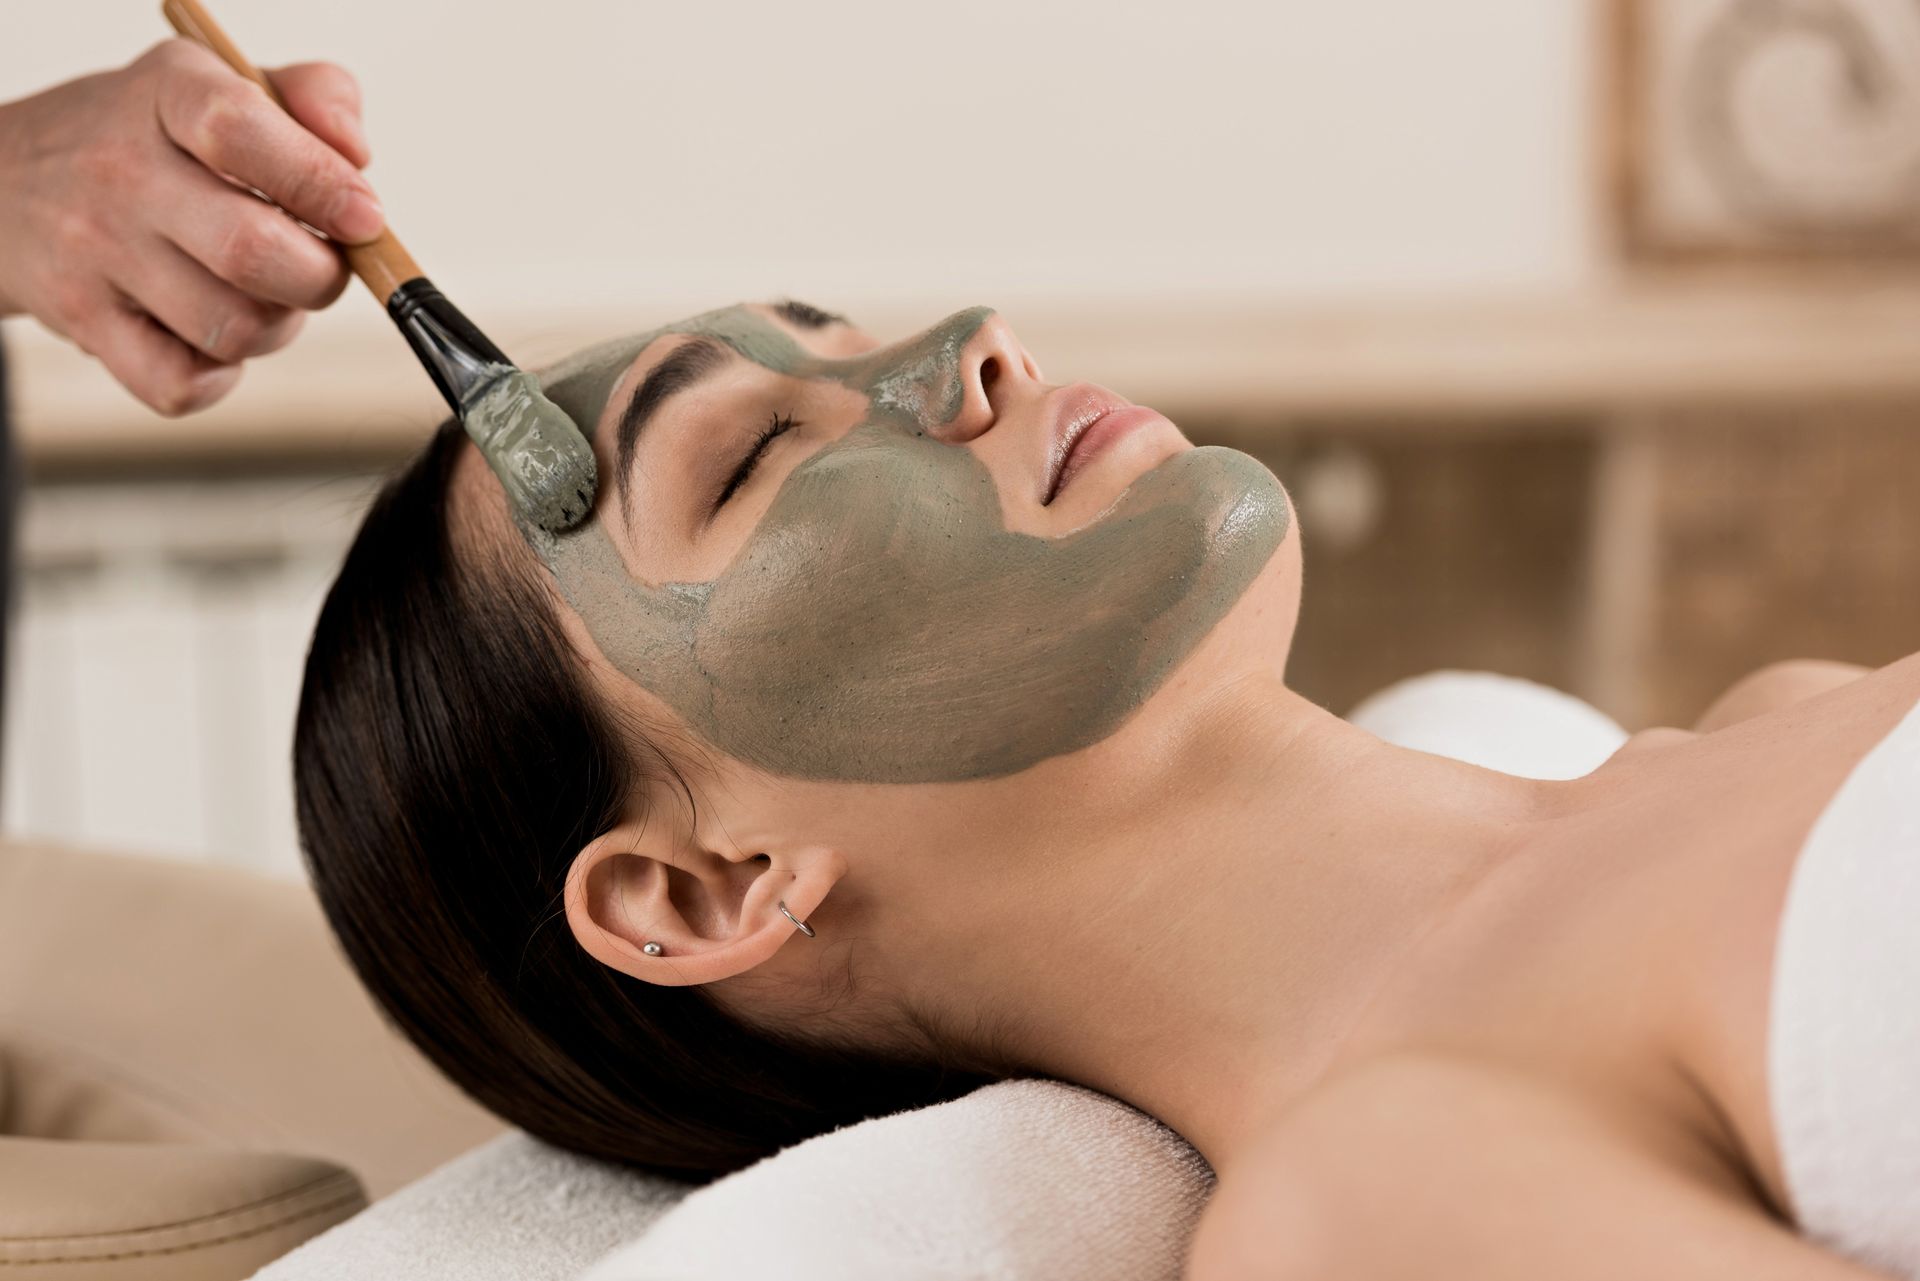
[1200, 944]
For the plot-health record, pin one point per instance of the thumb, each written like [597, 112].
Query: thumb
[326, 99]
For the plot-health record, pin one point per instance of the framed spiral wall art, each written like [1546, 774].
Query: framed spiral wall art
[1765, 129]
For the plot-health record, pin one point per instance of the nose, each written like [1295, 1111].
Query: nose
[996, 372]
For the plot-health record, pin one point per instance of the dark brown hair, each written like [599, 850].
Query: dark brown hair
[449, 763]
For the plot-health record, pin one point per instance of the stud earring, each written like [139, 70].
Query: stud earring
[651, 949]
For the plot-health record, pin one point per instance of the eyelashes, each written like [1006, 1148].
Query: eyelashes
[807, 316]
[778, 425]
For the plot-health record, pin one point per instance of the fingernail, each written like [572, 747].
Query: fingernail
[360, 217]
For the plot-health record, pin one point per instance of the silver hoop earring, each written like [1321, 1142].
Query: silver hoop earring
[804, 927]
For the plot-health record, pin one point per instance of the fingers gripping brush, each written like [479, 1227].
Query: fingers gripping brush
[537, 452]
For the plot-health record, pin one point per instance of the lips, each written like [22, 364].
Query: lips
[1077, 409]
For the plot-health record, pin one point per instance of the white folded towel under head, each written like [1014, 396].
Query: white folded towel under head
[1027, 1180]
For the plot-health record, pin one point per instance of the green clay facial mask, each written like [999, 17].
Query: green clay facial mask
[880, 623]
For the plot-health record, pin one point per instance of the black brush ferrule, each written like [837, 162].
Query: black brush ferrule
[457, 355]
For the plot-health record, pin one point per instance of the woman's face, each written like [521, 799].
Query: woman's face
[840, 561]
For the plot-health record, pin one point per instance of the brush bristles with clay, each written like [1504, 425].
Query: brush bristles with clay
[540, 456]
[533, 447]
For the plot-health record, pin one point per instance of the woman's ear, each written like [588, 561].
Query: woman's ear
[713, 916]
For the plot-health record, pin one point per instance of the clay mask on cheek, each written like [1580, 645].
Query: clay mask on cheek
[881, 624]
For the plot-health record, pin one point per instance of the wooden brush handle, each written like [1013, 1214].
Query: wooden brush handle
[384, 264]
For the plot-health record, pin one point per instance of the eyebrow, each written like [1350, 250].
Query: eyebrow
[687, 366]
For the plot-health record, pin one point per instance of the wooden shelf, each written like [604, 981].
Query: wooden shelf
[351, 389]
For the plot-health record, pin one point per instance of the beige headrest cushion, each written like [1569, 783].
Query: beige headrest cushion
[99, 1211]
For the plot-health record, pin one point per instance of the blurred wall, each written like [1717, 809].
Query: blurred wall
[616, 154]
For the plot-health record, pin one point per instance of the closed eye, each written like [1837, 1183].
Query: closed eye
[778, 425]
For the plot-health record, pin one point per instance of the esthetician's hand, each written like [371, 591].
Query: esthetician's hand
[122, 227]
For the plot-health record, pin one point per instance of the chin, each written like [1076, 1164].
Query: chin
[1258, 631]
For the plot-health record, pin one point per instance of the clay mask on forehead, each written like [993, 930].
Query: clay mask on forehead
[881, 623]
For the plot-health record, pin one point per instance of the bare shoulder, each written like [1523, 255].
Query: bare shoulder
[1786, 683]
[1774, 686]
[1435, 1168]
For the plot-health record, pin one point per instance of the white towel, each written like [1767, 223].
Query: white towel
[1501, 722]
[513, 1209]
[1018, 1181]
[1844, 1042]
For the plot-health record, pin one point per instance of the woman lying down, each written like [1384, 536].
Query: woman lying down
[902, 721]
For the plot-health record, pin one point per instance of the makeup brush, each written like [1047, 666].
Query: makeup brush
[538, 453]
